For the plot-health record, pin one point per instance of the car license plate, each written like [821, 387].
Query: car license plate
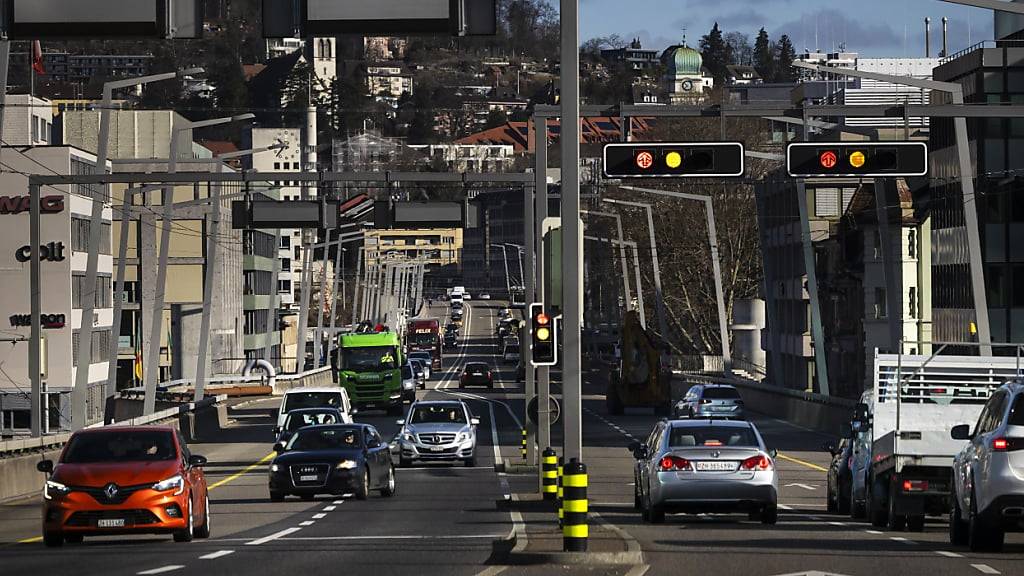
[712, 466]
[110, 523]
[437, 448]
[312, 478]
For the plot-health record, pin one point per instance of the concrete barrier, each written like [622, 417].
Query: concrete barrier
[808, 410]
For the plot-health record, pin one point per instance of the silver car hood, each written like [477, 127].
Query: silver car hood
[433, 428]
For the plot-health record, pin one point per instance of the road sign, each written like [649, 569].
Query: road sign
[554, 410]
[674, 160]
[269, 214]
[856, 159]
[288, 18]
[43, 19]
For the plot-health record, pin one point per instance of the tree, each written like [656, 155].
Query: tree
[716, 52]
[764, 56]
[496, 117]
[786, 54]
[740, 50]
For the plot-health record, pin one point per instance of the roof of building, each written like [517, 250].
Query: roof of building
[219, 147]
[594, 130]
[683, 60]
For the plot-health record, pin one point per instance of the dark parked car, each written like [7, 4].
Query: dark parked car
[306, 417]
[336, 459]
[451, 340]
[476, 374]
[840, 475]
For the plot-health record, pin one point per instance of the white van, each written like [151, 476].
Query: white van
[329, 397]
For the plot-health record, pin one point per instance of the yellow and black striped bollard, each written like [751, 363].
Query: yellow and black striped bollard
[561, 512]
[549, 474]
[574, 503]
[522, 446]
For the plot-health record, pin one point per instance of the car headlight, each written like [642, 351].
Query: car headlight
[346, 465]
[464, 437]
[408, 437]
[408, 384]
[275, 468]
[176, 483]
[52, 488]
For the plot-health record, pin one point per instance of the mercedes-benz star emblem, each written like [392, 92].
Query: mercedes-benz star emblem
[715, 454]
[110, 490]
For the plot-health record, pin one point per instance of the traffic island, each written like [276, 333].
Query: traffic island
[536, 538]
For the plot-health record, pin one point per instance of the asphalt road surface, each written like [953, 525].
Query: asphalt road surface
[443, 518]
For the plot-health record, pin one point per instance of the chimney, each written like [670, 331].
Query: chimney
[945, 34]
[927, 37]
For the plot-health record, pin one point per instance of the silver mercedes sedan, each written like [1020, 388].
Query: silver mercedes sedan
[705, 466]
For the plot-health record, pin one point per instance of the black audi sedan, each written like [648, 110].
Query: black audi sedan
[332, 459]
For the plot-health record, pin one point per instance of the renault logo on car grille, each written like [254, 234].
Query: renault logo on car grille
[111, 490]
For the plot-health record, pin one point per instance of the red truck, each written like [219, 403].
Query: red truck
[424, 335]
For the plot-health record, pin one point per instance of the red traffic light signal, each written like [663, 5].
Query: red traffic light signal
[674, 160]
[543, 337]
[856, 159]
[828, 159]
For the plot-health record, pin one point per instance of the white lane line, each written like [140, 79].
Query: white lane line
[446, 466]
[272, 537]
[875, 532]
[785, 507]
[319, 516]
[902, 539]
[395, 537]
[492, 571]
[338, 501]
[170, 568]
[217, 554]
[306, 523]
[495, 442]
[836, 524]
[983, 568]
[948, 554]
[330, 508]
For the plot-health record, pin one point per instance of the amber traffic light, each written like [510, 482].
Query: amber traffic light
[856, 159]
[543, 337]
[674, 160]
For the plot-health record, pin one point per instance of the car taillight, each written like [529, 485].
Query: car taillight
[759, 462]
[849, 462]
[1000, 444]
[915, 485]
[671, 462]
[705, 401]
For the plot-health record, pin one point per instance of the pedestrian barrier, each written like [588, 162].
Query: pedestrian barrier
[559, 492]
[574, 502]
[549, 474]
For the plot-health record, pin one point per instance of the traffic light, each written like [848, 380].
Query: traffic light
[674, 160]
[856, 159]
[543, 337]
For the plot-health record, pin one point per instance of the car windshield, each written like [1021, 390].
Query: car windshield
[325, 439]
[120, 446]
[423, 338]
[695, 436]
[368, 359]
[438, 414]
[721, 393]
[1017, 412]
[296, 421]
[425, 356]
[296, 400]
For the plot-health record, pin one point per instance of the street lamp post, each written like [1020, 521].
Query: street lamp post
[150, 366]
[522, 277]
[504, 257]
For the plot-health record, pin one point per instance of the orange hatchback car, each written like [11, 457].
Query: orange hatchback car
[125, 480]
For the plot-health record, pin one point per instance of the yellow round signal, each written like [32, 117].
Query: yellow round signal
[673, 160]
[857, 159]
[543, 334]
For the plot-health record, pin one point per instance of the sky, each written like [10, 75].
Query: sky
[874, 28]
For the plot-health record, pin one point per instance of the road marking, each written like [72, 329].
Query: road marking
[412, 468]
[217, 554]
[836, 524]
[245, 471]
[394, 537]
[31, 540]
[902, 539]
[272, 537]
[306, 523]
[802, 463]
[948, 554]
[330, 508]
[875, 532]
[804, 486]
[173, 567]
[319, 516]
[985, 569]
[492, 571]
[638, 570]
[338, 501]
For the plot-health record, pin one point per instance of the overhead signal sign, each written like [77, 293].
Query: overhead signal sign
[674, 160]
[856, 159]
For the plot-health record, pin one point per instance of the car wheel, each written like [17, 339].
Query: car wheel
[53, 539]
[363, 489]
[879, 516]
[652, 513]
[982, 535]
[74, 538]
[958, 535]
[186, 534]
[857, 509]
[830, 500]
[276, 496]
[897, 522]
[389, 489]
[770, 515]
[203, 531]
[843, 503]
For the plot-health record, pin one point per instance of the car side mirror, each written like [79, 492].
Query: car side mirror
[830, 447]
[400, 422]
[45, 466]
[279, 447]
[277, 430]
[474, 421]
[960, 432]
[773, 453]
[197, 460]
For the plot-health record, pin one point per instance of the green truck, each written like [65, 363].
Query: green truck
[369, 366]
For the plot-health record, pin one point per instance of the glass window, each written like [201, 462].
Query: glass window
[1015, 80]
[1017, 412]
[437, 414]
[993, 82]
[119, 446]
[995, 242]
[325, 439]
[298, 420]
[369, 359]
[721, 393]
[995, 156]
[311, 400]
[708, 436]
[996, 281]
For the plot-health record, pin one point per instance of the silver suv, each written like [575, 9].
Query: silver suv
[988, 474]
[438, 431]
[710, 401]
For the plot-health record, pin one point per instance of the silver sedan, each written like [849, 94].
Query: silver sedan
[705, 466]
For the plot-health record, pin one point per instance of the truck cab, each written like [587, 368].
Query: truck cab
[369, 367]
